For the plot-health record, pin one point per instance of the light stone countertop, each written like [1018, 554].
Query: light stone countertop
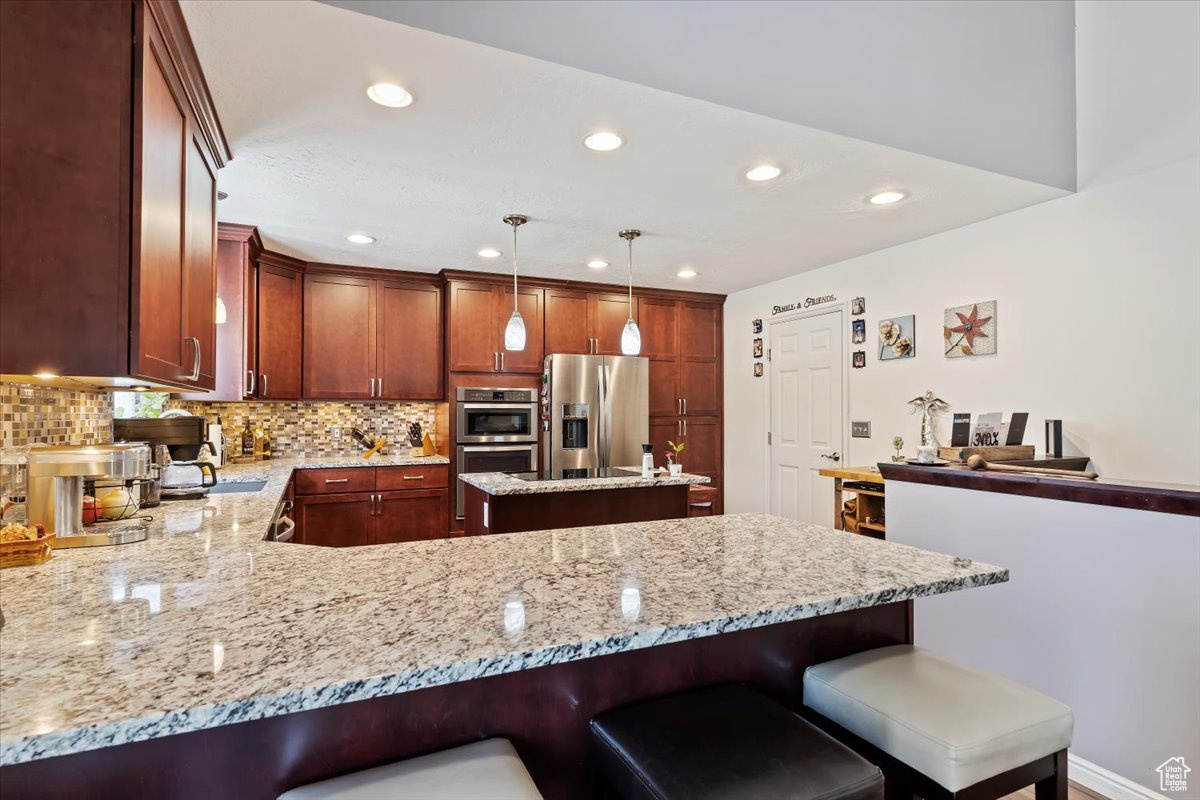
[206, 624]
[501, 483]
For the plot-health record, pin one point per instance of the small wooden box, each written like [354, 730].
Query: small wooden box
[1012, 452]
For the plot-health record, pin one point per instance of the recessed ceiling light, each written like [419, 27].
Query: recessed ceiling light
[686, 272]
[390, 95]
[360, 238]
[598, 263]
[45, 376]
[603, 141]
[763, 172]
[885, 198]
[489, 252]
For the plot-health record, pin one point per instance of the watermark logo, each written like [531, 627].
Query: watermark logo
[1172, 775]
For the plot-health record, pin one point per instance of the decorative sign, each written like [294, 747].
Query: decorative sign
[808, 302]
[987, 430]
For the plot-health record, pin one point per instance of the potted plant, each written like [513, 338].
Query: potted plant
[672, 454]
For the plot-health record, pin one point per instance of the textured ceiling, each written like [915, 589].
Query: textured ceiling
[493, 132]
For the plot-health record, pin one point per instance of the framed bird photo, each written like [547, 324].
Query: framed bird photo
[970, 330]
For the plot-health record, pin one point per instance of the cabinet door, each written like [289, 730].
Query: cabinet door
[567, 322]
[412, 516]
[664, 388]
[200, 269]
[410, 341]
[530, 304]
[279, 295]
[699, 367]
[703, 452]
[607, 315]
[158, 347]
[336, 520]
[339, 337]
[658, 322]
[473, 340]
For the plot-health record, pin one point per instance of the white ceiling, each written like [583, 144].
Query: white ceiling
[493, 132]
[988, 83]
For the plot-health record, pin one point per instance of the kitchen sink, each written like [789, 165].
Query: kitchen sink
[236, 487]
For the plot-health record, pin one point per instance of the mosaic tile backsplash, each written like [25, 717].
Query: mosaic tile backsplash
[47, 415]
[319, 429]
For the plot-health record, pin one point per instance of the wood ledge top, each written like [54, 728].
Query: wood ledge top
[1143, 496]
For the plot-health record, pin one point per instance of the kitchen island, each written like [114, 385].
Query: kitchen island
[207, 662]
[501, 502]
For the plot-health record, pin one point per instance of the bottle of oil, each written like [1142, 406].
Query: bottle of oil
[247, 439]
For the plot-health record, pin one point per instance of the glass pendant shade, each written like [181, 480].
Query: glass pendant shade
[514, 332]
[631, 339]
[220, 315]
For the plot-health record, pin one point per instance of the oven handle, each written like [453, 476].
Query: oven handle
[498, 406]
[496, 448]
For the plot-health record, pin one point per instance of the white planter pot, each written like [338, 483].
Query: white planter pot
[676, 470]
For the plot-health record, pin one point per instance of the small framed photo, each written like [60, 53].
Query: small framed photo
[758, 369]
[758, 348]
[756, 325]
[860, 359]
[858, 331]
[858, 306]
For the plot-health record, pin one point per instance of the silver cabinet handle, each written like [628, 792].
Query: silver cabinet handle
[337, 480]
[264, 384]
[502, 361]
[250, 391]
[679, 427]
[685, 406]
[495, 362]
[414, 477]
[685, 427]
[195, 373]
[372, 387]
[679, 407]
[380, 387]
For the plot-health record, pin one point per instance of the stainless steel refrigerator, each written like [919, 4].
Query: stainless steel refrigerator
[599, 413]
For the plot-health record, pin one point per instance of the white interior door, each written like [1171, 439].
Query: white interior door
[807, 413]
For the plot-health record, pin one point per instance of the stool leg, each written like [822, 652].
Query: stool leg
[1055, 786]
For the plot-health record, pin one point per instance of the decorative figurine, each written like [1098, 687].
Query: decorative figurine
[898, 445]
[928, 405]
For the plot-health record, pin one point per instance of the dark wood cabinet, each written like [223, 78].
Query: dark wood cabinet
[411, 516]
[370, 338]
[107, 220]
[336, 520]
[372, 505]
[585, 323]
[479, 313]
[276, 350]
[339, 337]
[607, 315]
[410, 341]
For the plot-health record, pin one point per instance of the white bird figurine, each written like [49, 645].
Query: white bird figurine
[928, 405]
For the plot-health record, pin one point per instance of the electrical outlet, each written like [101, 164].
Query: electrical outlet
[860, 430]
[335, 434]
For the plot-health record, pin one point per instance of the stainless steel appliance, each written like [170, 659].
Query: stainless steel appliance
[56, 478]
[497, 431]
[178, 444]
[599, 413]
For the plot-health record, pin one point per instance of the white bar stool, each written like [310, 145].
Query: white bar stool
[487, 770]
[940, 729]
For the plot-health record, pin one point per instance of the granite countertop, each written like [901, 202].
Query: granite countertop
[206, 624]
[501, 483]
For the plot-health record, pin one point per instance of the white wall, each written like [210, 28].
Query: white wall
[1097, 298]
[1102, 612]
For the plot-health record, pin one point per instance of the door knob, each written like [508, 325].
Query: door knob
[835, 456]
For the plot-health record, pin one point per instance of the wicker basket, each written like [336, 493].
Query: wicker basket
[25, 552]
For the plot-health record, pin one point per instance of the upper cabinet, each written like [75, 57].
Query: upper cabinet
[371, 338]
[478, 315]
[108, 215]
[585, 323]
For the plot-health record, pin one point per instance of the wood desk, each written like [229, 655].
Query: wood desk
[865, 474]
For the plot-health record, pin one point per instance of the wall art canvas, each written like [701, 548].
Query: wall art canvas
[897, 338]
[758, 369]
[860, 359]
[970, 330]
[858, 331]
[756, 325]
[758, 348]
[858, 306]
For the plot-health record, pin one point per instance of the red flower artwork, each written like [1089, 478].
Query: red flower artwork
[971, 326]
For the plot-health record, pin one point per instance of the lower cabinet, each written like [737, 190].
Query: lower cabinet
[328, 517]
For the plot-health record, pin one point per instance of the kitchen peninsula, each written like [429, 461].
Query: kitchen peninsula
[425, 644]
[499, 502]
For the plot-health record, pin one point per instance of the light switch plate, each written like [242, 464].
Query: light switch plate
[860, 430]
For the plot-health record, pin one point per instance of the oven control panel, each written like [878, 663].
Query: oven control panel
[469, 395]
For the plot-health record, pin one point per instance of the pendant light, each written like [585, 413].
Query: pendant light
[631, 337]
[514, 331]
